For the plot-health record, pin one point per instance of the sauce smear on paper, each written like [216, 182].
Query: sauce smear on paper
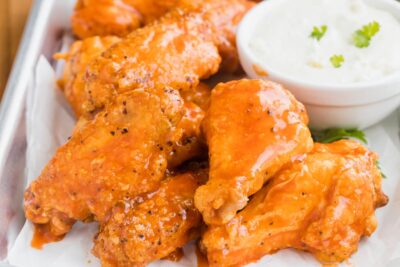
[201, 259]
[43, 236]
[175, 256]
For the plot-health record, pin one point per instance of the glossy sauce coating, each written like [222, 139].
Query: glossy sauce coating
[177, 50]
[201, 96]
[167, 220]
[152, 10]
[76, 59]
[104, 17]
[253, 128]
[42, 236]
[202, 260]
[117, 17]
[191, 144]
[323, 203]
[121, 153]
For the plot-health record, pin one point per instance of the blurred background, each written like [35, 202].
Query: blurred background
[13, 14]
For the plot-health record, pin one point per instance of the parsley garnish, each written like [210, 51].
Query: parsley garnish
[332, 135]
[337, 60]
[362, 37]
[380, 169]
[318, 33]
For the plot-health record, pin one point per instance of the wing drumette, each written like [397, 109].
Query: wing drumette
[177, 50]
[117, 17]
[104, 17]
[165, 221]
[191, 144]
[322, 203]
[253, 128]
[121, 153]
[76, 59]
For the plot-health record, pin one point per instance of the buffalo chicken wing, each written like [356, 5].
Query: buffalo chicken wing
[177, 50]
[121, 153]
[76, 59]
[151, 230]
[323, 203]
[253, 128]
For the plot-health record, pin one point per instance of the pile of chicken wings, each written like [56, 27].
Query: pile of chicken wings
[158, 158]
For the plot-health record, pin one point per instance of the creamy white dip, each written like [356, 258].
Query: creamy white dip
[281, 41]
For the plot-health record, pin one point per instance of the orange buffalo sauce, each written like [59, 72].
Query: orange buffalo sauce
[175, 256]
[43, 236]
[201, 258]
[260, 71]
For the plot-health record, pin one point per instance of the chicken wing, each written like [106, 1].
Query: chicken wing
[177, 51]
[253, 128]
[117, 17]
[165, 221]
[104, 17]
[76, 60]
[323, 203]
[201, 96]
[191, 144]
[119, 154]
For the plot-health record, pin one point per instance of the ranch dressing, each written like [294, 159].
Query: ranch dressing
[281, 41]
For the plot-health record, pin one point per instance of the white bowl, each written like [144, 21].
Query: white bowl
[335, 106]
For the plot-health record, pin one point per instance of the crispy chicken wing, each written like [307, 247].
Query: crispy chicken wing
[165, 221]
[322, 203]
[178, 51]
[154, 9]
[201, 96]
[104, 17]
[76, 59]
[190, 145]
[253, 128]
[117, 17]
[119, 154]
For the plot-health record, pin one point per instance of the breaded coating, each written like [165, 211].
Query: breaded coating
[151, 230]
[177, 50]
[104, 17]
[191, 144]
[76, 59]
[121, 153]
[118, 17]
[152, 10]
[253, 128]
[201, 96]
[322, 203]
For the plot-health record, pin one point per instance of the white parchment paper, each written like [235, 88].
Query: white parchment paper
[50, 123]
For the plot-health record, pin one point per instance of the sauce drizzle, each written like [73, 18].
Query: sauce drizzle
[43, 236]
[201, 258]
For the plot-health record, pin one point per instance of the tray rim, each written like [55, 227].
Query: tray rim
[13, 101]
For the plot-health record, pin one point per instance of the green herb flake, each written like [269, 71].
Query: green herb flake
[337, 60]
[362, 37]
[318, 33]
[380, 169]
[332, 135]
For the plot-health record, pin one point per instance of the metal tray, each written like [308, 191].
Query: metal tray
[47, 23]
